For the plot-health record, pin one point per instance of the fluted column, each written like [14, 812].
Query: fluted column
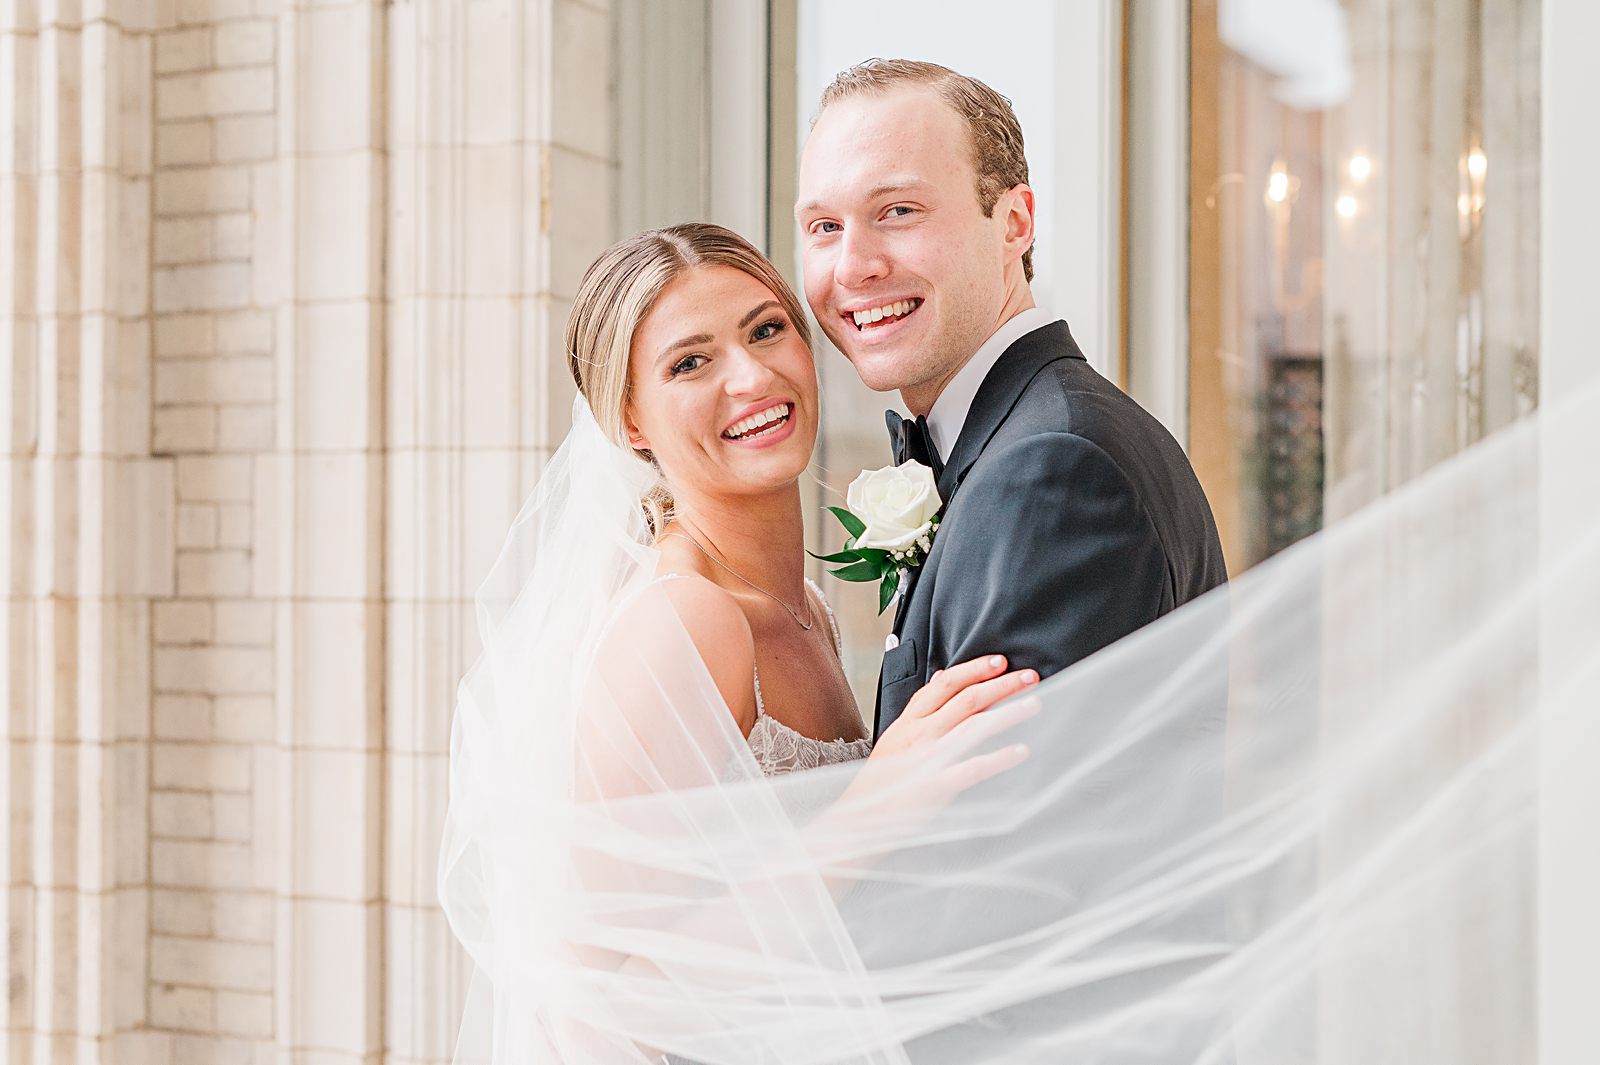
[86, 527]
[501, 189]
[318, 534]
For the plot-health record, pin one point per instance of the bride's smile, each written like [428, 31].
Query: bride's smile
[769, 423]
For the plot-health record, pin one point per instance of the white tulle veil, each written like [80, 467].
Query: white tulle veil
[1294, 821]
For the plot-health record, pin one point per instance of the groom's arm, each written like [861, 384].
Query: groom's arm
[1056, 558]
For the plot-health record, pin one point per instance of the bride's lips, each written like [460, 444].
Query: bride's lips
[774, 432]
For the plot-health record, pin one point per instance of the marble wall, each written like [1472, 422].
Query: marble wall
[281, 293]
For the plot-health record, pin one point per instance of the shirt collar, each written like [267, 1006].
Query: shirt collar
[950, 410]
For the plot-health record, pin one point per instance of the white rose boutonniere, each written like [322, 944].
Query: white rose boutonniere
[892, 518]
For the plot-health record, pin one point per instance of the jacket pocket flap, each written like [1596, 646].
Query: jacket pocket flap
[902, 662]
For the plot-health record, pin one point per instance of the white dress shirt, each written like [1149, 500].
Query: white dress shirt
[950, 410]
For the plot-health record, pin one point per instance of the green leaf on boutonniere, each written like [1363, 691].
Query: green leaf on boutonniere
[886, 590]
[862, 564]
[853, 525]
[859, 571]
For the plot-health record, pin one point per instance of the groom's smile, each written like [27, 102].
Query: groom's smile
[869, 318]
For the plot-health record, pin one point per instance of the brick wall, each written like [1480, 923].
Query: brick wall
[211, 978]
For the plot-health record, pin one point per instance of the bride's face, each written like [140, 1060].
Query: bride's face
[724, 390]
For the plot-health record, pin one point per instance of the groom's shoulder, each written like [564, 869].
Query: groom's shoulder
[1031, 463]
[1071, 420]
[1069, 396]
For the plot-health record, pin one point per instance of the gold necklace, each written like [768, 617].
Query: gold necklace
[810, 618]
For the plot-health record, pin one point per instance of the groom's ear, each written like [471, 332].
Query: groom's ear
[1018, 204]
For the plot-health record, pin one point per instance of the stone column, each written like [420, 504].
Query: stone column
[319, 499]
[86, 526]
[501, 189]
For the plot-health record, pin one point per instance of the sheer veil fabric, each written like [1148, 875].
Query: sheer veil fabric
[1294, 821]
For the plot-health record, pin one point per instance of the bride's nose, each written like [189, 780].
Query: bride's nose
[748, 375]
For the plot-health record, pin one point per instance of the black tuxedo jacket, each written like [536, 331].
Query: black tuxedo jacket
[1071, 518]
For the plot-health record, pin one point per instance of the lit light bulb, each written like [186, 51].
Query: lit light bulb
[1360, 168]
[1464, 204]
[1278, 186]
[1477, 163]
[1346, 206]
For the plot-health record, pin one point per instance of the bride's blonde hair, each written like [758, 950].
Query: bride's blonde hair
[618, 292]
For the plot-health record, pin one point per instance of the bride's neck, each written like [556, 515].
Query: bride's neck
[761, 537]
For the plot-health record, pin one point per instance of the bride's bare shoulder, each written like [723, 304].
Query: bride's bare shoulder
[717, 626]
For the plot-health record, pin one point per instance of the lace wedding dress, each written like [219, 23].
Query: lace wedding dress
[779, 748]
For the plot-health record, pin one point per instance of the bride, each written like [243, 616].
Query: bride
[637, 876]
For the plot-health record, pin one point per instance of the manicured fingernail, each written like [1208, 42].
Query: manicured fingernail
[996, 661]
[935, 675]
[1029, 677]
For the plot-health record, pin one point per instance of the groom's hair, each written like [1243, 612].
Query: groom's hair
[996, 135]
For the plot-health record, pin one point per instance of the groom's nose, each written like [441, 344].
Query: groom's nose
[861, 259]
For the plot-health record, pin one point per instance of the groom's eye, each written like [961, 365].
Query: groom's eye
[825, 226]
[899, 210]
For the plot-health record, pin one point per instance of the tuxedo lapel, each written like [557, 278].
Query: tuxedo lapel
[999, 392]
[1017, 366]
[995, 398]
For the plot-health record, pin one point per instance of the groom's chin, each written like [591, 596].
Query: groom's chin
[877, 372]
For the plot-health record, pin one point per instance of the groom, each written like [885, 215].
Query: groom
[1071, 517]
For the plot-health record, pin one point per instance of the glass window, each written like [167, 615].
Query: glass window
[1364, 210]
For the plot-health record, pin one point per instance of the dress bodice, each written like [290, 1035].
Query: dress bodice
[779, 748]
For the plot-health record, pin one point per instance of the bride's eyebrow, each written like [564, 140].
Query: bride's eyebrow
[747, 319]
[706, 338]
[686, 342]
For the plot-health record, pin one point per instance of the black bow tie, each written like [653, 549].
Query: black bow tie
[911, 441]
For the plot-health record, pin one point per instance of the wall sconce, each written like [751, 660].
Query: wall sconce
[1281, 186]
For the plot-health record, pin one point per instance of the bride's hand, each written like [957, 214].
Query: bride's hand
[950, 698]
[941, 724]
[924, 759]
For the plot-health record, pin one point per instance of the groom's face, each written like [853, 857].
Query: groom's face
[903, 270]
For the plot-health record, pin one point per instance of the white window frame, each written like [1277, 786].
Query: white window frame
[1157, 303]
[1569, 790]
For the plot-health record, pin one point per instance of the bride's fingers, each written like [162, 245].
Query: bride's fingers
[981, 696]
[981, 728]
[976, 770]
[945, 684]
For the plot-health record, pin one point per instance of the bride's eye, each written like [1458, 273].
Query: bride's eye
[688, 363]
[768, 330]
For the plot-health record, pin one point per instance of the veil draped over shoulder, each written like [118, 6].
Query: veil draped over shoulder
[1294, 821]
